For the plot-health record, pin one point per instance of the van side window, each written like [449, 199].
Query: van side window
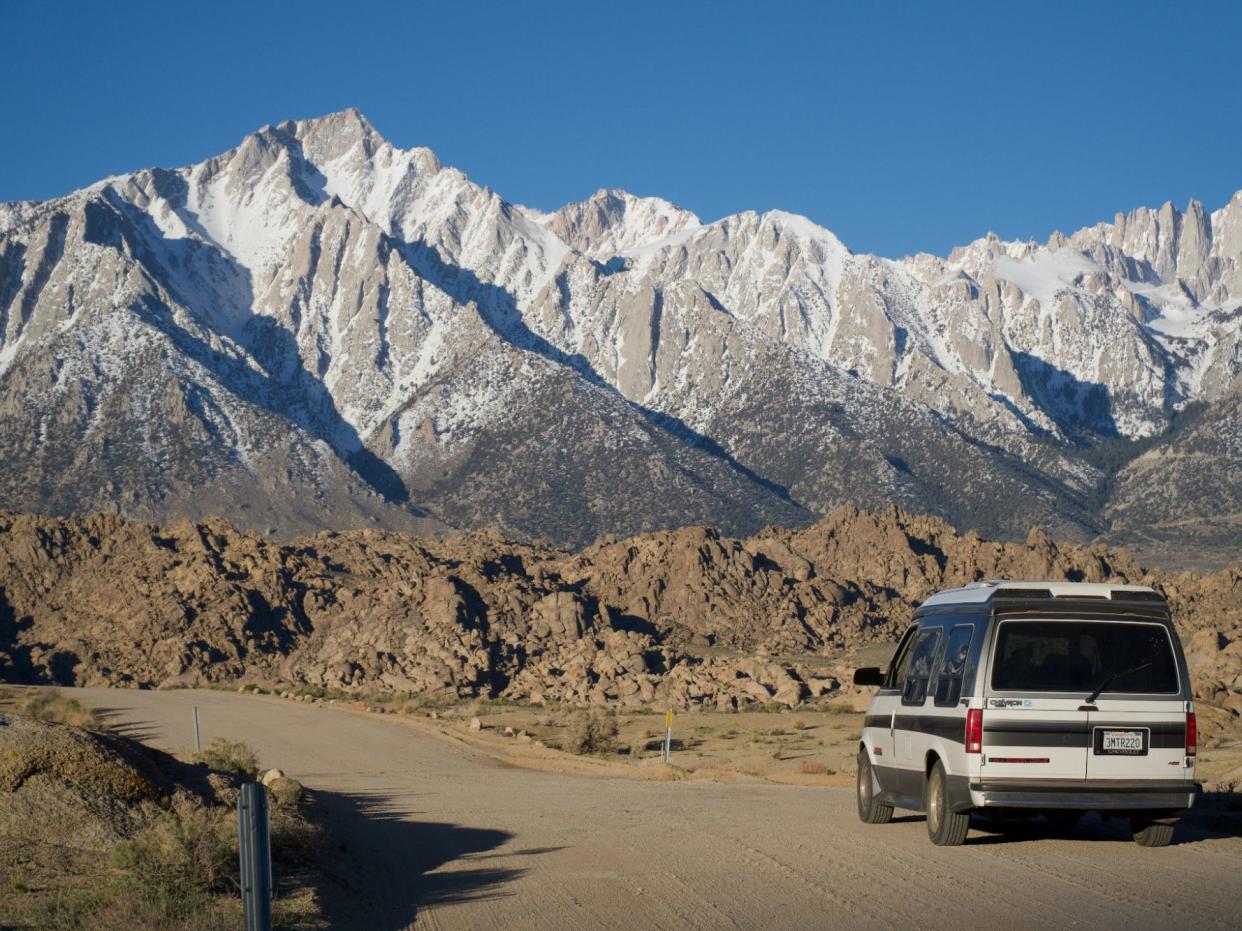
[901, 659]
[952, 669]
[914, 689]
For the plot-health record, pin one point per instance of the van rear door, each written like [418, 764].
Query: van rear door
[1032, 730]
[1139, 731]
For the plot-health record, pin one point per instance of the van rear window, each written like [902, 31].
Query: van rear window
[1078, 656]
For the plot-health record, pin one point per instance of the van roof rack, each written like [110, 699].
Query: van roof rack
[1031, 590]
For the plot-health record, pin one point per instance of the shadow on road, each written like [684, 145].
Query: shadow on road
[383, 867]
[1216, 815]
[143, 731]
[1202, 823]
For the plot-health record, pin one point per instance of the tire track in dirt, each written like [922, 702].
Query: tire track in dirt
[441, 836]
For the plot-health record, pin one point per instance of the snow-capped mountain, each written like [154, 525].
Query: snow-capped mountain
[318, 329]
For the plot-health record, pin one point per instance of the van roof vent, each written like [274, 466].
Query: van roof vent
[1007, 594]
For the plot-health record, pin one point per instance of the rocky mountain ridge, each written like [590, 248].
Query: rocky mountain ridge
[685, 618]
[320, 329]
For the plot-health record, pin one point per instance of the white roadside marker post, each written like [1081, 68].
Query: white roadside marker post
[198, 740]
[668, 733]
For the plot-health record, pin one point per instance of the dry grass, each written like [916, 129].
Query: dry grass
[756, 744]
[52, 706]
[178, 872]
[230, 756]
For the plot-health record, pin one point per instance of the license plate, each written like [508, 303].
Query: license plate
[1122, 742]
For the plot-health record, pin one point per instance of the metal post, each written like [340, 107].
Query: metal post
[255, 854]
[198, 740]
[668, 733]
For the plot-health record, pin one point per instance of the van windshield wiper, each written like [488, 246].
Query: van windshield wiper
[1117, 675]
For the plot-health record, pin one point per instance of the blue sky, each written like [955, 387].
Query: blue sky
[902, 127]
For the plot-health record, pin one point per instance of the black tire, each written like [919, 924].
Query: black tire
[1151, 833]
[945, 828]
[869, 810]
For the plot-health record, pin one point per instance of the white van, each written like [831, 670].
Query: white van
[1032, 697]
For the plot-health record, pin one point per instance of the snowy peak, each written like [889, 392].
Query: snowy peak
[614, 222]
[327, 138]
[395, 315]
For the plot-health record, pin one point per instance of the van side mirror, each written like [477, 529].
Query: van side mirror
[869, 675]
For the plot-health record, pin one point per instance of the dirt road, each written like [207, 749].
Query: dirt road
[439, 836]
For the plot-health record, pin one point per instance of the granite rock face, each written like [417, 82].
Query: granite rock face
[317, 329]
[684, 618]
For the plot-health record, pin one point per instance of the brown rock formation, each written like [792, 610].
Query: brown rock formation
[687, 617]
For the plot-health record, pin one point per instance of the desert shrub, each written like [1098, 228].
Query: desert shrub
[840, 707]
[54, 707]
[183, 853]
[285, 791]
[296, 841]
[592, 732]
[179, 871]
[813, 768]
[109, 903]
[230, 756]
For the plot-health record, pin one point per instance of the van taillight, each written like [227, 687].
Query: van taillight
[1192, 734]
[974, 730]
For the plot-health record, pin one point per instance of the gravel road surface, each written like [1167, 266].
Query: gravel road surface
[439, 835]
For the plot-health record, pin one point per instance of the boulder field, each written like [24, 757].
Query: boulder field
[679, 618]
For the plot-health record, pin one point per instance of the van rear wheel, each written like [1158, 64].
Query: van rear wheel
[1151, 833]
[945, 827]
[869, 810]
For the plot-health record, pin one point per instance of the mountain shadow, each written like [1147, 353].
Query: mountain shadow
[283, 386]
[1082, 410]
[498, 308]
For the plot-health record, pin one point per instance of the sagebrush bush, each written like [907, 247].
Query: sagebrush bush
[183, 852]
[52, 706]
[179, 871]
[592, 732]
[230, 756]
[285, 791]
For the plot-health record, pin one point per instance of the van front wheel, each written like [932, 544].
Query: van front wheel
[869, 810]
[945, 827]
